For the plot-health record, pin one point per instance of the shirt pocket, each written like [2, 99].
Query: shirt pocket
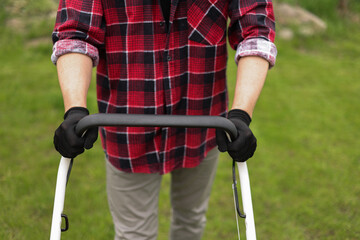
[207, 21]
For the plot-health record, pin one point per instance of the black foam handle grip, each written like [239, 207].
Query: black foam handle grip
[149, 120]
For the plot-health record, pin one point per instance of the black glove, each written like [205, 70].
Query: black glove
[243, 147]
[66, 142]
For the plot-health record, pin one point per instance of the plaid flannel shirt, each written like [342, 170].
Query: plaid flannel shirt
[142, 68]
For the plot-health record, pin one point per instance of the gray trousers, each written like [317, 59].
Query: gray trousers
[133, 201]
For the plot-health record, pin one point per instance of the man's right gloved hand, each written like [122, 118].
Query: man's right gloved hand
[66, 142]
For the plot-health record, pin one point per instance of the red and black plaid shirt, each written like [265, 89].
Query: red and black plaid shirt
[142, 68]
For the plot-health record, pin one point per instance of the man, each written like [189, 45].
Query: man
[161, 57]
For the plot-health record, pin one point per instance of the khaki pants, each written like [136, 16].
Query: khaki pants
[133, 201]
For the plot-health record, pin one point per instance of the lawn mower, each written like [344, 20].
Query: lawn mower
[146, 120]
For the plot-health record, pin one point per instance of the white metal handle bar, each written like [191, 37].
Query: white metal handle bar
[147, 120]
[246, 200]
[64, 165]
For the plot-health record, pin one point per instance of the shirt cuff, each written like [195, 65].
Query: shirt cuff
[257, 47]
[65, 46]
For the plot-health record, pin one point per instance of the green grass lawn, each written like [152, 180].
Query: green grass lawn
[304, 175]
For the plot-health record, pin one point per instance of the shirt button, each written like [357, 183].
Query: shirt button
[168, 58]
[161, 24]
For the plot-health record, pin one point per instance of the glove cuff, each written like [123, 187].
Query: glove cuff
[240, 114]
[76, 109]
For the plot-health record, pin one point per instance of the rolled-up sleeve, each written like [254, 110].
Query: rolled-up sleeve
[79, 28]
[252, 29]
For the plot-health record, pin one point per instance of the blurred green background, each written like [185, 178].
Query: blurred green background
[304, 175]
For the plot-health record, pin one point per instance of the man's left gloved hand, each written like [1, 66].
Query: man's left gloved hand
[244, 146]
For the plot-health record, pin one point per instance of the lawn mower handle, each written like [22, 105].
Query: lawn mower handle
[147, 120]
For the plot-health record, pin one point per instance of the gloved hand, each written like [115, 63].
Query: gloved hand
[66, 142]
[243, 147]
